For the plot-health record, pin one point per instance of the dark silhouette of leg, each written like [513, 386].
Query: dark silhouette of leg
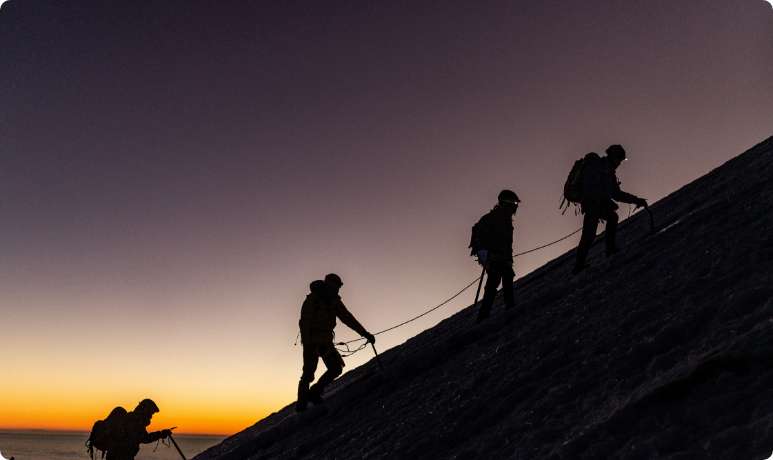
[611, 232]
[335, 366]
[310, 359]
[494, 276]
[590, 224]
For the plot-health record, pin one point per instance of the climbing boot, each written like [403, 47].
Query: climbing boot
[315, 395]
[303, 396]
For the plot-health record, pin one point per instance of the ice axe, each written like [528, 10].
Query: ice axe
[649, 213]
[652, 219]
[378, 359]
[177, 447]
[480, 283]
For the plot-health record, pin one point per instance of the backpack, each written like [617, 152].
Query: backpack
[477, 236]
[106, 433]
[574, 182]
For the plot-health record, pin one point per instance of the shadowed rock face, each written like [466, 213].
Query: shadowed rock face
[663, 351]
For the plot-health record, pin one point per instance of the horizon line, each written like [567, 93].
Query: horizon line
[79, 431]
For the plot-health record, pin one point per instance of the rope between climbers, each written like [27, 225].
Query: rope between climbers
[549, 244]
[415, 317]
[348, 352]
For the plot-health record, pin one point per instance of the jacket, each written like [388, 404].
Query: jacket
[318, 316]
[494, 233]
[600, 187]
[134, 432]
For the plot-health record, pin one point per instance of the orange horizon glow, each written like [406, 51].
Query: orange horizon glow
[68, 408]
[86, 431]
[188, 426]
[223, 424]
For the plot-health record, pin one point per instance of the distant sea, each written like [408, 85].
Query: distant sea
[56, 445]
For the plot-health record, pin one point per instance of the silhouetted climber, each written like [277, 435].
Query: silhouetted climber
[600, 188]
[318, 319]
[121, 433]
[492, 242]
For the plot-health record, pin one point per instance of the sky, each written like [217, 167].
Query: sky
[173, 174]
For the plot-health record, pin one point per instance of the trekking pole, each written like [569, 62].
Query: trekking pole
[177, 447]
[378, 359]
[652, 219]
[480, 283]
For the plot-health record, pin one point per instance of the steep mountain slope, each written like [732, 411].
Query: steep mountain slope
[663, 351]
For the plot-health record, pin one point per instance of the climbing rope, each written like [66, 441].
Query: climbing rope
[345, 350]
[549, 244]
[346, 344]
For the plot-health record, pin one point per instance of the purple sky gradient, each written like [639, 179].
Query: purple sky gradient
[174, 173]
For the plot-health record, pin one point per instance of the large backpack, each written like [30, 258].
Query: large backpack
[479, 230]
[105, 434]
[574, 182]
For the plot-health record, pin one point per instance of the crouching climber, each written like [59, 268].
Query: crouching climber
[119, 436]
[318, 319]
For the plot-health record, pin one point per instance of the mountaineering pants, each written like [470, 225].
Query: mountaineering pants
[331, 358]
[498, 271]
[589, 226]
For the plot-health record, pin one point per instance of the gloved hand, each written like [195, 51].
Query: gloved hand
[369, 337]
[482, 256]
[641, 203]
[165, 433]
